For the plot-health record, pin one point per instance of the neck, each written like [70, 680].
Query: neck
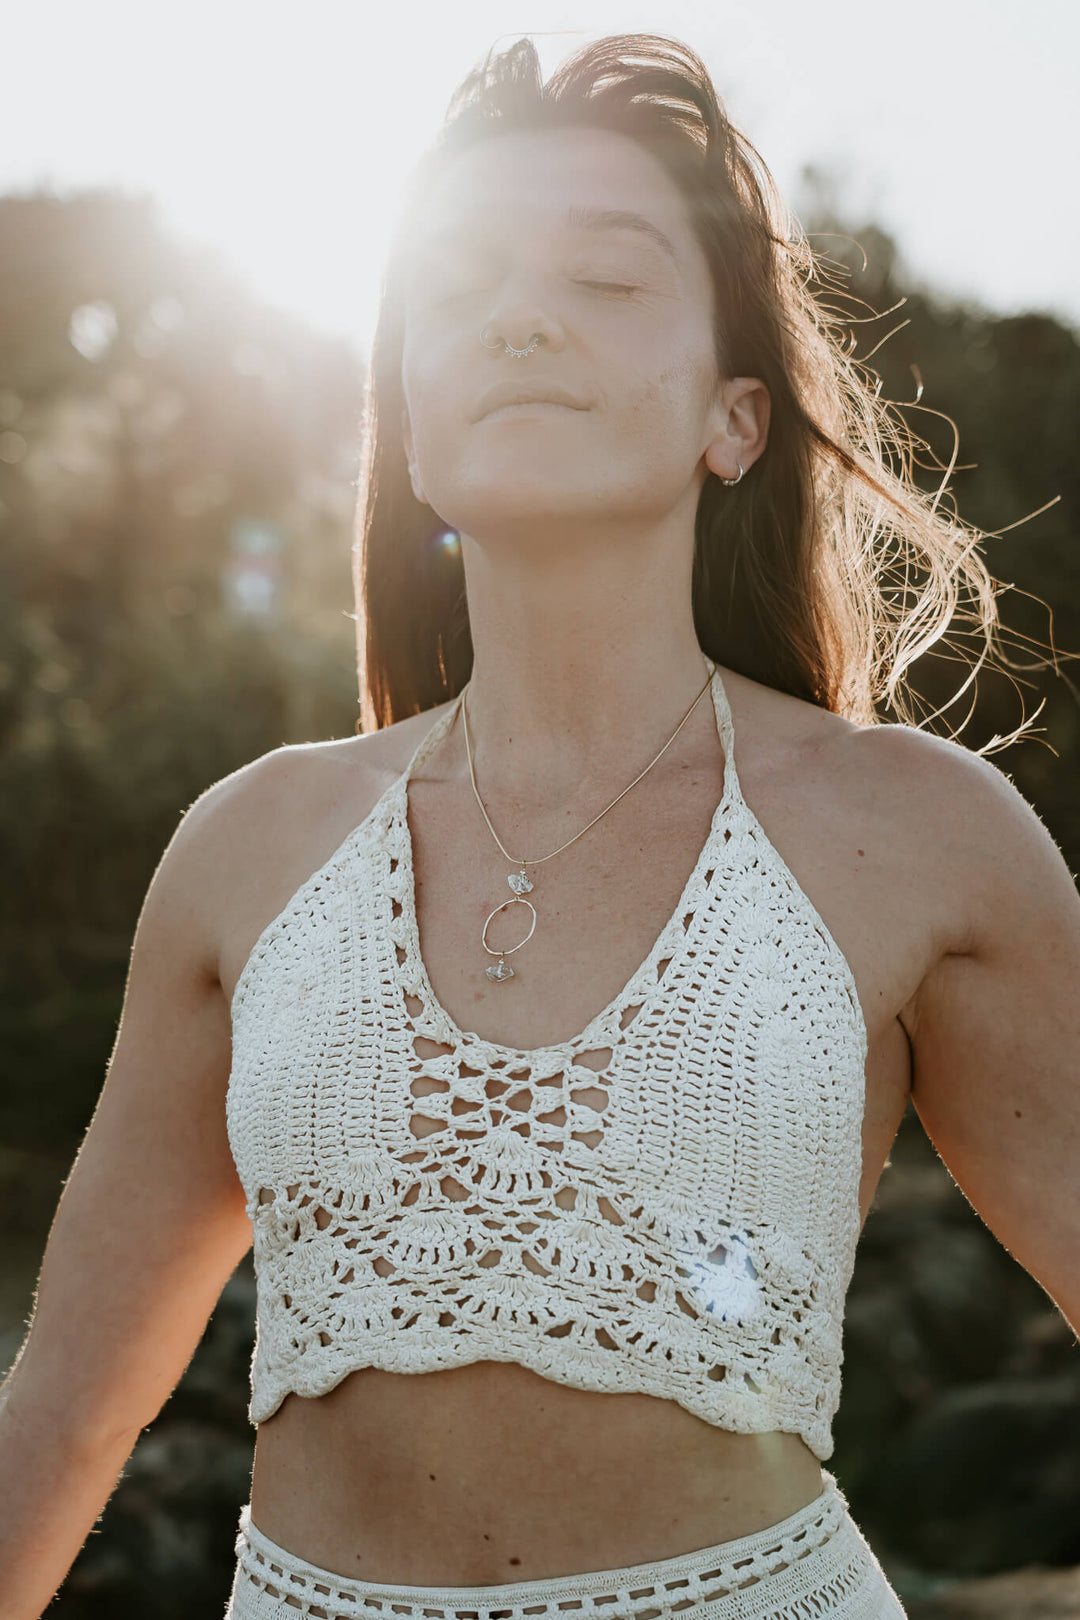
[582, 669]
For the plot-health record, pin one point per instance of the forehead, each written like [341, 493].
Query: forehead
[539, 181]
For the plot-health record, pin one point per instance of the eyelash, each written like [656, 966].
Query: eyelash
[617, 287]
[612, 286]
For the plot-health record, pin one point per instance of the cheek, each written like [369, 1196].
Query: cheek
[417, 368]
[688, 373]
[425, 397]
[668, 403]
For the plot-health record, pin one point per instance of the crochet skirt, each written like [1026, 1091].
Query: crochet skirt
[816, 1562]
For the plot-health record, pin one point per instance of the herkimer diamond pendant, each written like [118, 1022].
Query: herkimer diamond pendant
[520, 886]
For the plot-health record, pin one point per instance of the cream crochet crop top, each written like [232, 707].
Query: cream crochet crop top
[680, 1222]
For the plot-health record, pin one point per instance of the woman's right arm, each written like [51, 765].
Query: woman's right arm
[150, 1224]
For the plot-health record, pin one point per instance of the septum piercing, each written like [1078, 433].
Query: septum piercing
[518, 353]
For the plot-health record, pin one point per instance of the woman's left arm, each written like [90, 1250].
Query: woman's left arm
[995, 1031]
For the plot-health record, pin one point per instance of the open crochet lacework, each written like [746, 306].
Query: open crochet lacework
[667, 1204]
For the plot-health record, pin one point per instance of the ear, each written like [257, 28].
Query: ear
[740, 426]
[410, 457]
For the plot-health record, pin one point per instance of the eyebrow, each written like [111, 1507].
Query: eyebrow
[584, 219]
[619, 219]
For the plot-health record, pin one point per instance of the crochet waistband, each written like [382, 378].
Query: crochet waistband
[814, 1563]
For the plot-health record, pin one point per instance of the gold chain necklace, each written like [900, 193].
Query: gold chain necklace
[519, 881]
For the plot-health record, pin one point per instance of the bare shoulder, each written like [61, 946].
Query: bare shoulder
[1007, 903]
[896, 768]
[972, 820]
[266, 827]
[938, 833]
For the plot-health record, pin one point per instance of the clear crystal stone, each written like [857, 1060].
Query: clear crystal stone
[519, 883]
[499, 970]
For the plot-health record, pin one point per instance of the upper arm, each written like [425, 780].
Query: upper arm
[995, 1029]
[151, 1221]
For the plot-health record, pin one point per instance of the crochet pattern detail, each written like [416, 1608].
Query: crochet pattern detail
[815, 1563]
[667, 1204]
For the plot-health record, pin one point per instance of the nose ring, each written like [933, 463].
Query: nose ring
[518, 353]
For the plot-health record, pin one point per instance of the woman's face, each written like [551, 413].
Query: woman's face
[512, 243]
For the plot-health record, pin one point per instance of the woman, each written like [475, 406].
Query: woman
[550, 1299]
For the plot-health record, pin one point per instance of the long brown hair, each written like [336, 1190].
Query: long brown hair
[791, 566]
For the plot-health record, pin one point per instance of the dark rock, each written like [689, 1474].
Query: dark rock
[1024, 1594]
[986, 1480]
[164, 1550]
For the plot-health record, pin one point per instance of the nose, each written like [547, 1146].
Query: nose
[517, 315]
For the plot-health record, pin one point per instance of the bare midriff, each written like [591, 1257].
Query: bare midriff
[489, 1473]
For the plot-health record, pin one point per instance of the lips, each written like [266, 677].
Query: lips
[538, 393]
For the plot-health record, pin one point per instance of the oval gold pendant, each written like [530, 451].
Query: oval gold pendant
[501, 969]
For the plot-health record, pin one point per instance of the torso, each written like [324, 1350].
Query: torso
[489, 1473]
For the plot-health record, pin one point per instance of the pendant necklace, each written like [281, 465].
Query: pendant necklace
[519, 881]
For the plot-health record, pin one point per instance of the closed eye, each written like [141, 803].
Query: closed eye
[608, 286]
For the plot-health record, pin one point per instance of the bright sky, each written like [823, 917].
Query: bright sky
[275, 134]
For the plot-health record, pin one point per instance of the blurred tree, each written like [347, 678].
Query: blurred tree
[152, 407]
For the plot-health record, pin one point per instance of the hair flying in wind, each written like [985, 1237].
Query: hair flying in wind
[792, 568]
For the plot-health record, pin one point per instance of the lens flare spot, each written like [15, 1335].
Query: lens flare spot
[725, 1280]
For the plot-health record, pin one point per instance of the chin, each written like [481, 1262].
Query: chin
[524, 493]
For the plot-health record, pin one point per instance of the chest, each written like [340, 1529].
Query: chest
[727, 1068]
[815, 858]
